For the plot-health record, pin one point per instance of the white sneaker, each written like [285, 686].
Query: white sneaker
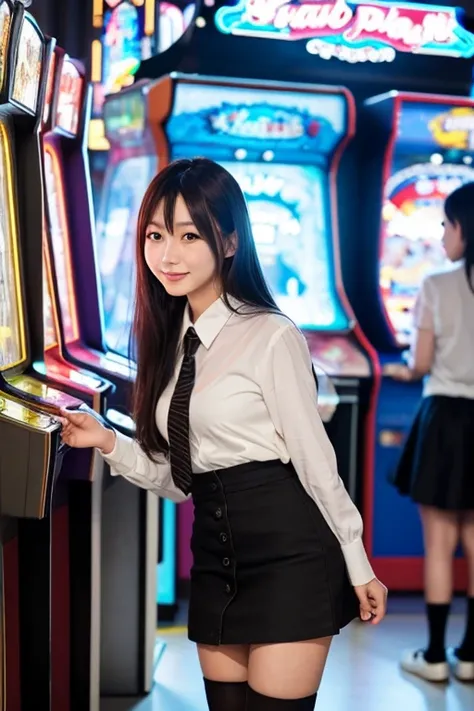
[415, 663]
[464, 671]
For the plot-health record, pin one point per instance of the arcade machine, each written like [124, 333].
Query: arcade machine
[132, 165]
[129, 514]
[31, 454]
[125, 33]
[422, 147]
[283, 143]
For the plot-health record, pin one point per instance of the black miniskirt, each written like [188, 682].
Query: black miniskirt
[267, 567]
[436, 467]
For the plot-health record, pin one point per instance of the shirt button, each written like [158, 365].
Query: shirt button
[226, 562]
[218, 513]
[223, 537]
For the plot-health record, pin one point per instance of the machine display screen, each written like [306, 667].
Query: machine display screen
[5, 27]
[433, 158]
[116, 234]
[28, 69]
[69, 99]
[289, 212]
[59, 241]
[11, 337]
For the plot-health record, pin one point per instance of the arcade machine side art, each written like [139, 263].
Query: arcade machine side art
[129, 514]
[423, 149]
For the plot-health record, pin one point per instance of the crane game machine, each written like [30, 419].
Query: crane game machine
[128, 515]
[283, 144]
[426, 149]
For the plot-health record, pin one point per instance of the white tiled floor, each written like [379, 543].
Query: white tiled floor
[362, 672]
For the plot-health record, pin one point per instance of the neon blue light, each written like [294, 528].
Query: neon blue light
[166, 570]
[434, 29]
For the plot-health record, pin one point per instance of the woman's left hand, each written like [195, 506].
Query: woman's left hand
[373, 601]
[398, 371]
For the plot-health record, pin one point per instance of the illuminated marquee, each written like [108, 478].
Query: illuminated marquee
[352, 31]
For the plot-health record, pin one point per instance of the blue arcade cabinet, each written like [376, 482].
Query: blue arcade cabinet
[422, 149]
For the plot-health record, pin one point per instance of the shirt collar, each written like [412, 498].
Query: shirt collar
[211, 322]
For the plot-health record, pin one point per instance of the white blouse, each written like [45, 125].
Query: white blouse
[254, 399]
[445, 305]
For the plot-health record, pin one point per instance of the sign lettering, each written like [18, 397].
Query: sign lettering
[352, 31]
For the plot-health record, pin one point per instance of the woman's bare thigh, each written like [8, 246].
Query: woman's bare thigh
[288, 671]
[226, 662]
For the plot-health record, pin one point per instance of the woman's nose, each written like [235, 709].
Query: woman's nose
[170, 252]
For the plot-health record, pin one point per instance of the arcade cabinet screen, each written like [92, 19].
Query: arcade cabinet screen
[69, 100]
[11, 347]
[116, 234]
[291, 228]
[28, 68]
[412, 235]
[59, 237]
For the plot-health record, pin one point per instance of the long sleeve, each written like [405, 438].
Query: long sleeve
[127, 459]
[290, 394]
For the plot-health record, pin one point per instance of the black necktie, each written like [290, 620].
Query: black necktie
[178, 415]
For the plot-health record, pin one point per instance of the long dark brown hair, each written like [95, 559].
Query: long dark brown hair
[218, 209]
[459, 208]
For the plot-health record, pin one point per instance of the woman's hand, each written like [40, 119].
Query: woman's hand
[81, 430]
[373, 601]
[398, 371]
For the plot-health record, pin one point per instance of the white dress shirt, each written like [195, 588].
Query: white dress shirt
[254, 399]
[445, 305]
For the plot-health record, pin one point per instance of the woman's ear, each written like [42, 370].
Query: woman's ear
[231, 245]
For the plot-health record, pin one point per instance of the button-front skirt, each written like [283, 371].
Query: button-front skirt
[267, 567]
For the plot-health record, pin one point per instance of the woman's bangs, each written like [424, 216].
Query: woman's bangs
[201, 214]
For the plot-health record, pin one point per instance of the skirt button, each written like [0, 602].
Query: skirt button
[218, 513]
[223, 537]
[213, 486]
[226, 562]
[228, 589]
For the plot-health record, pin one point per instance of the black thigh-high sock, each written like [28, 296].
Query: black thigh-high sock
[259, 702]
[226, 695]
[466, 651]
[437, 621]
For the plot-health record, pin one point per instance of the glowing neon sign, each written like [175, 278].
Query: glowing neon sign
[354, 31]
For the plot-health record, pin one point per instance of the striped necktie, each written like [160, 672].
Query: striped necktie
[178, 415]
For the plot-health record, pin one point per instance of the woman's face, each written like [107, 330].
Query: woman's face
[183, 261]
[452, 240]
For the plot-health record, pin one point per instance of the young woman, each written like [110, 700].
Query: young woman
[437, 465]
[226, 412]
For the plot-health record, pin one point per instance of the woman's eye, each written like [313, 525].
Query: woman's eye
[190, 237]
[153, 236]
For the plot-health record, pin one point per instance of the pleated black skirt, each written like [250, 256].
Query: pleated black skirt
[437, 463]
[267, 567]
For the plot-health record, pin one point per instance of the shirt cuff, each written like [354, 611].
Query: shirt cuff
[358, 567]
[122, 450]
